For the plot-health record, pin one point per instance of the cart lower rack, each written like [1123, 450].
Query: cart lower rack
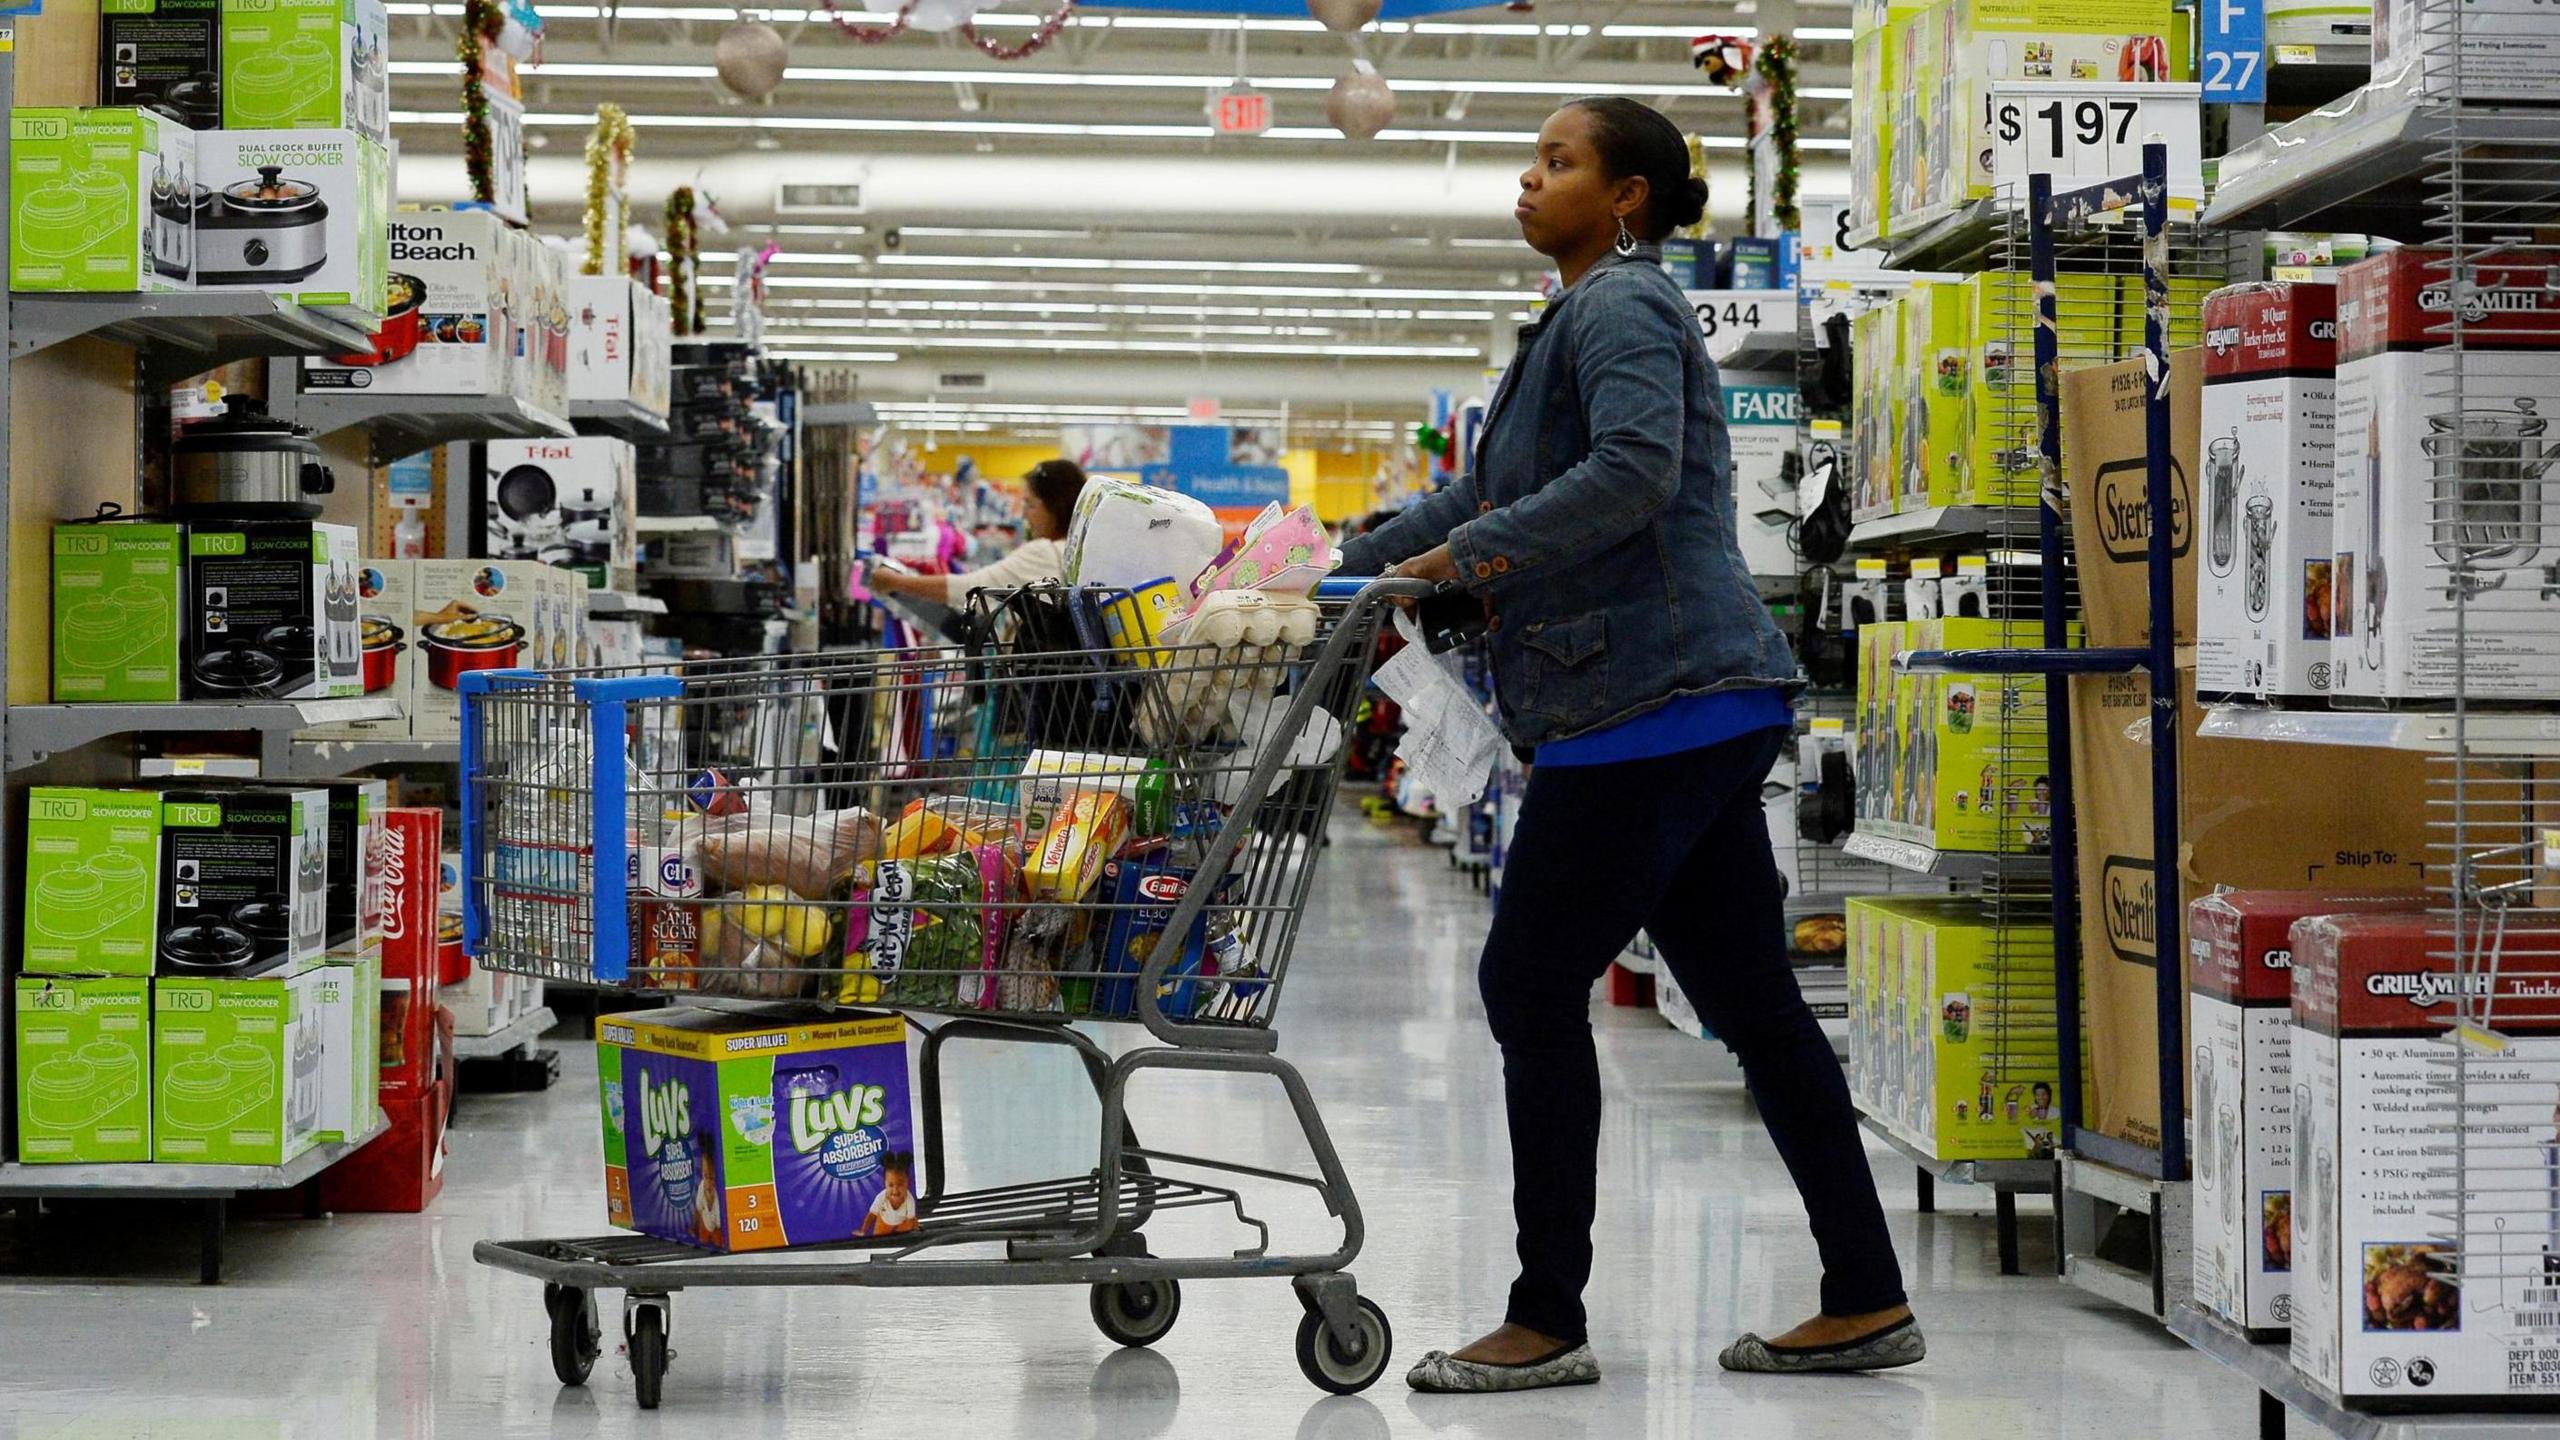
[1000, 841]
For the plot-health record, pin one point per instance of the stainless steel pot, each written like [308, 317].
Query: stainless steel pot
[247, 462]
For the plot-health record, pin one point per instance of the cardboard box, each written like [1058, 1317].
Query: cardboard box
[1761, 422]
[355, 863]
[383, 617]
[1980, 43]
[483, 1004]
[2252, 815]
[756, 1130]
[1875, 338]
[165, 54]
[341, 629]
[2506, 52]
[1969, 760]
[2241, 1072]
[474, 614]
[570, 503]
[621, 341]
[244, 880]
[347, 1014]
[1937, 354]
[254, 598]
[2387, 1304]
[453, 320]
[653, 343]
[2269, 417]
[1941, 1049]
[2422, 486]
[412, 839]
[314, 229]
[236, 1068]
[93, 866]
[307, 65]
[116, 605]
[402, 1171]
[84, 1069]
[2105, 463]
[99, 200]
[2096, 322]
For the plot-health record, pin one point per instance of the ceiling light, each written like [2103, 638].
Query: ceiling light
[1173, 347]
[1204, 289]
[715, 14]
[445, 119]
[1220, 267]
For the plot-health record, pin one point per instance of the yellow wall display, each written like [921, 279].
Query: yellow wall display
[1950, 1045]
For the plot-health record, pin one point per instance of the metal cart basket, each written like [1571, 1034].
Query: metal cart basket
[998, 841]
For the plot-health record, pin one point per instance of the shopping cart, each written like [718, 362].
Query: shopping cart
[945, 833]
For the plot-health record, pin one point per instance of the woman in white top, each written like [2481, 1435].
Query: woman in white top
[1048, 506]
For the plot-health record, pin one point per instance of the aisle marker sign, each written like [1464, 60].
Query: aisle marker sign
[2235, 52]
[2083, 133]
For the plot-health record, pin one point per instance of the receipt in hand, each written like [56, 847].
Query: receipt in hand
[1449, 744]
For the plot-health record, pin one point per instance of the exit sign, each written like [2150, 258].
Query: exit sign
[1240, 112]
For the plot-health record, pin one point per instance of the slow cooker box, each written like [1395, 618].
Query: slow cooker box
[471, 615]
[82, 186]
[116, 607]
[254, 601]
[307, 64]
[223, 1067]
[303, 213]
[244, 880]
[93, 862]
[386, 648]
[84, 1069]
[166, 53]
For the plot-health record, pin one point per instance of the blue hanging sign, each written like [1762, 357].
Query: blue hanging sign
[2234, 51]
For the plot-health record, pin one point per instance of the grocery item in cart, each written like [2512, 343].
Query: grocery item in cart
[1283, 552]
[809, 855]
[1088, 830]
[1052, 777]
[757, 1129]
[1125, 534]
[1144, 893]
[924, 925]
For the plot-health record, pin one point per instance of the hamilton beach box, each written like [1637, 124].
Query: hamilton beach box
[452, 320]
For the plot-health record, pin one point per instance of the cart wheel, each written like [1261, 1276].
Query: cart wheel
[648, 1349]
[576, 1339]
[1136, 1312]
[1325, 1362]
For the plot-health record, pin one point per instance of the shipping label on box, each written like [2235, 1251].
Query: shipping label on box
[2269, 417]
[2436, 501]
[302, 213]
[100, 200]
[116, 602]
[84, 1069]
[307, 65]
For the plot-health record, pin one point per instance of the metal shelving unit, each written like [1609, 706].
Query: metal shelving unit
[616, 602]
[36, 733]
[1942, 524]
[518, 1034]
[1949, 864]
[402, 425]
[679, 525]
[327, 759]
[2517, 734]
[2007, 1179]
[623, 419]
[175, 336]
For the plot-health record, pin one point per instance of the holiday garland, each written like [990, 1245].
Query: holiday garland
[608, 153]
[481, 22]
[1776, 67]
[682, 297]
[1046, 31]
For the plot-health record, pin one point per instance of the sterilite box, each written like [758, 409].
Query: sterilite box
[2263, 591]
[2436, 498]
[2390, 1304]
[2240, 1030]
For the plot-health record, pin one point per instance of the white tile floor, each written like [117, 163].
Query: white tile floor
[382, 1326]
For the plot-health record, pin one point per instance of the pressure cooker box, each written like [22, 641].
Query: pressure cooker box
[451, 317]
[257, 603]
[100, 200]
[479, 615]
[2240, 1041]
[2390, 1302]
[92, 872]
[116, 603]
[2264, 598]
[385, 649]
[84, 1069]
[237, 1068]
[570, 503]
[244, 880]
[307, 65]
[302, 213]
[2425, 484]
[163, 53]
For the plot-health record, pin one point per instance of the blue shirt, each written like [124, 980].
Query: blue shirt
[1688, 722]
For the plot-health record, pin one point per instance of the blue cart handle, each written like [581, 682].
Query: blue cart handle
[1384, 587]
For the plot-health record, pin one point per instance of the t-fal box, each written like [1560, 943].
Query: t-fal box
[385, 649]
[2240, 1027]
[2263, 599]
[2394, 1300]
[164, 54]
[355, 869]
[116, 605]
[100, 200]
[571, 503]
[600, 338]
[471, 615]
[303, 213]
[452, 315]
[307, 65]
[2438, 499]
[255, 596]
[244, 880]
[752, 1130]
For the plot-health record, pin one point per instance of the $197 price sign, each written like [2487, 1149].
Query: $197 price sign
[2087, 133]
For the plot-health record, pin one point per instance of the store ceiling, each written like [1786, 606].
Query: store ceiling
[1066, 229]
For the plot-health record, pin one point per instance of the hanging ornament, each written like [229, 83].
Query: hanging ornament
[1777, 70]
[750, 58]
[683, 299]
[1343, 17]
[1725, 58]
[944, 15]
[1360, 104]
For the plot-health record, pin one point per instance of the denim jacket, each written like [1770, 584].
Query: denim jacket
[1598, 525]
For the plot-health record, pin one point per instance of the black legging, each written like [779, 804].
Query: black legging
[1676, 846]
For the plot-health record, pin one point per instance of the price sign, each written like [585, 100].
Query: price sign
[1725, 316]
[2087, 134]
[2234, 51]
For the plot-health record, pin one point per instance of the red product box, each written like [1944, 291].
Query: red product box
[2240, 939]
[412, 844]
[402, 1171]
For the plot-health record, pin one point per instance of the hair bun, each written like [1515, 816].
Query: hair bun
[1685, 205]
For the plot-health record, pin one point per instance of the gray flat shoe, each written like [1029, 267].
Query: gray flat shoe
[1891, 1348]
[1440, 1373]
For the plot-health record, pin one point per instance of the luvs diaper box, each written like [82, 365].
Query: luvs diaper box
[84, 1069]
[754, 1129]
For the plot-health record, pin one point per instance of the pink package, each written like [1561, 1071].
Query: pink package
[1285, 553]
[999, 884]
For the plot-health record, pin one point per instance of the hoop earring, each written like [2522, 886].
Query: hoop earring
[1626, 240]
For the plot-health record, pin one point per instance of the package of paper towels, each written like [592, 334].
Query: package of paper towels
[1126, 535]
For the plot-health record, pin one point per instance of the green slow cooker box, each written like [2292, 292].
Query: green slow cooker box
[306, 65]
[115, 611]
[93, 871]
[84, 1069]
[236, 1069]
[82, 186]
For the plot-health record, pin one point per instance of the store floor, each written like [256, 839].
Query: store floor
[381, 1326]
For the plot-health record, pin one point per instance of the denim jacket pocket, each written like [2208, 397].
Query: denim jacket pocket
[1566, 667]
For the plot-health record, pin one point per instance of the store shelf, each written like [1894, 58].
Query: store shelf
[176, 336]
[2116, 1284]
[623, 419]
[616, 602]
[1946, 523]
[398, 425]
[326, 759]
[1941, 237]
[176, 1182]
[2484, 733]
[1923, 860]
[2361, 164]
[526, 1029]
[2270, 1368]
[679, 525]
[1761, 352]
[840, 412]
[2034, 1177]
[37, 732]
[2300, 75]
